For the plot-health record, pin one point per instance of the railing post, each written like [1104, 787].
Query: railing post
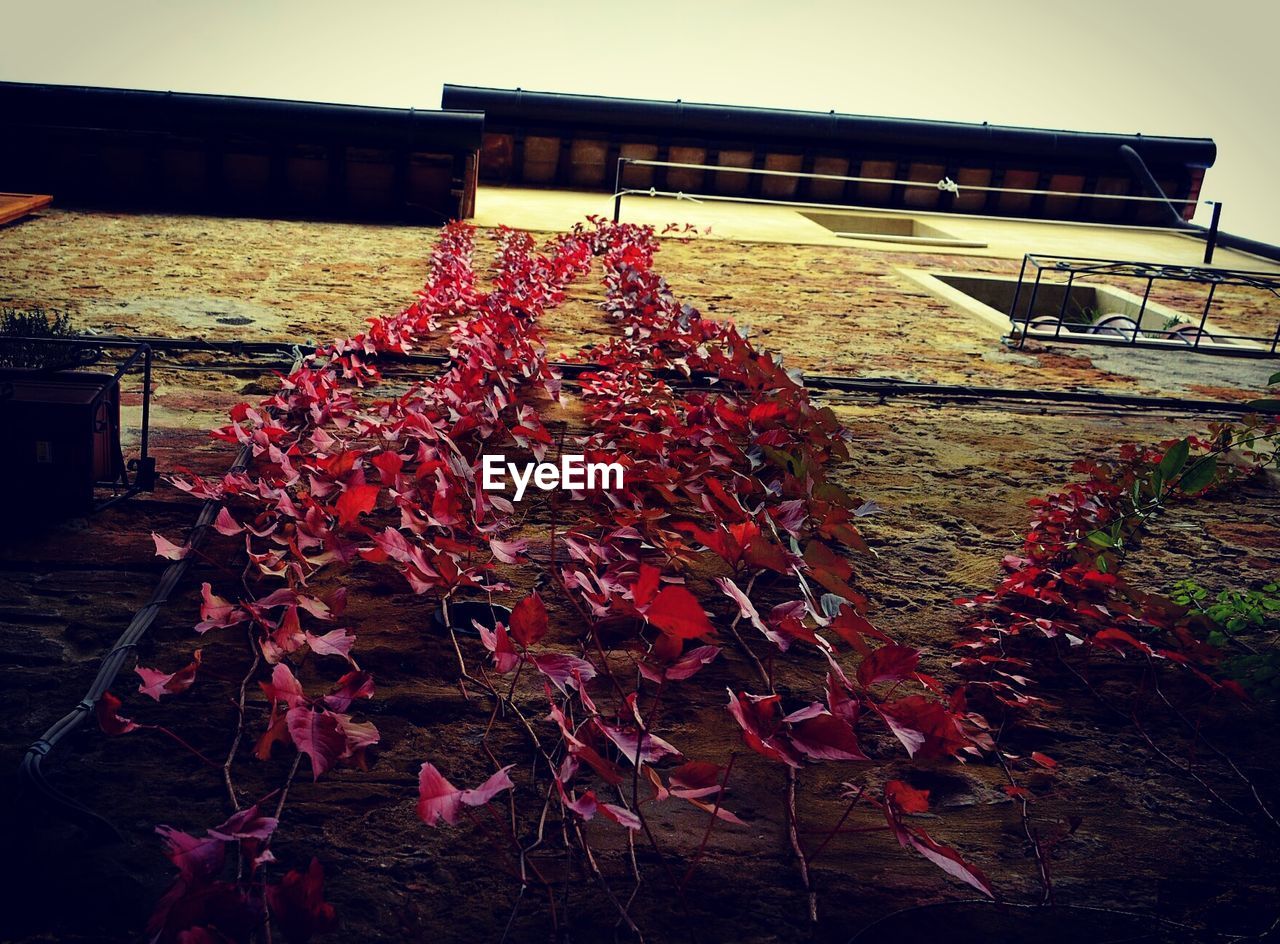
[1211, 241]
[617, 190]
[1066, 297]
[1013, 308]
[1204, 318]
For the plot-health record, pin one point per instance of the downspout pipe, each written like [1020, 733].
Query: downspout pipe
[1151, 188]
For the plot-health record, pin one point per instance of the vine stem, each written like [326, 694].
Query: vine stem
[284, 791]
[179, 741]
[793, 831]
[711, 822]
[793, 826]
[1033, 837]
[1133, 717]
[1200, 735]
[239, 734]
[599, 877]
[839, 823]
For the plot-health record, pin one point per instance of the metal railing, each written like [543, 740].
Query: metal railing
[1041, 274]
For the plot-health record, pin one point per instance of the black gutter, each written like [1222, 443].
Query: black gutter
[184, 113]
[503, 106]
[1152, 188]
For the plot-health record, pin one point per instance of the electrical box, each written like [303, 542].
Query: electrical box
[61, 436]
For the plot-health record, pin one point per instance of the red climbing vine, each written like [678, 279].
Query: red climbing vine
[722, 562]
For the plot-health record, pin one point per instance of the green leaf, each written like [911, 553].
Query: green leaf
[1265, 405]
[1174, 460]
[1199, 475]
[1274, 379]
[1100, 538]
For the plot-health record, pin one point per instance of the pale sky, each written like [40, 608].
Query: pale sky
[1172, 67]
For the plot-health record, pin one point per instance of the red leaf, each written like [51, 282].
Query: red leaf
[157, 684]
[925, 728]
[888, 663]
[696, 779]
[318, 735]
[529, 620]
[108, 711]
[826, 737]
[356, 500]
[761, 552]
[760, 718]
[906, 797]
[1044, 760]
[1118, 637]
[900, 798]
[297, 904]
[388, 465]
[646, 585]
[196, 859]
[831, 570]
[677, 612]
[947, 859]
[852, 628]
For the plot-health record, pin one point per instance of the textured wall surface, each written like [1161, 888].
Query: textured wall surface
[953, 483]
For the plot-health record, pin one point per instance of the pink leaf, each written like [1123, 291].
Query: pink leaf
[497, 641]
[508, 552]
[336, 642]
[166, 548]
[157, 684]
[691, 662]
[247, 824]
[564, 670]
[354, 685]
[438, 799]
[947, 859]
[225, 524]
[283, 687]
[217, 613]
[621, 816]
